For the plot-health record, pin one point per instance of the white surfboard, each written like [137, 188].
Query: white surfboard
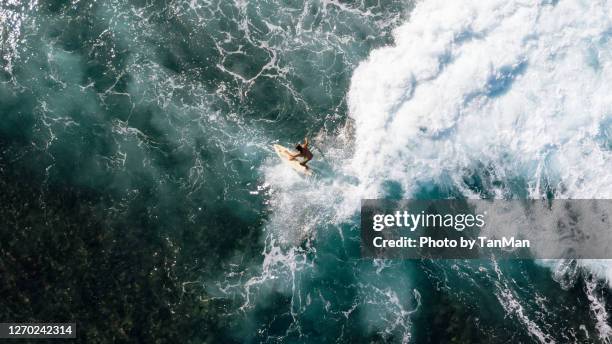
[285, 154]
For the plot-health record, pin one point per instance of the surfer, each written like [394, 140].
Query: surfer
[303, 151]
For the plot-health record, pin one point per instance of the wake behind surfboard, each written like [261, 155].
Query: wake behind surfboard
[285, 154]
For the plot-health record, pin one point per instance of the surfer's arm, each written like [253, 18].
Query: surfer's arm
[293, 156]
[306, 142]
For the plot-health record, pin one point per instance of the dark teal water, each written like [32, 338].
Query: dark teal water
[135, 197]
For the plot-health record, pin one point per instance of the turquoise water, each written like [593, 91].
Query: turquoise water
[141, 197]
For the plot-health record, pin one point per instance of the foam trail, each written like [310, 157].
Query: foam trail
[512, 306]
[598, 308]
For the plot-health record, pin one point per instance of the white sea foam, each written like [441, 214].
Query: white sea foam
[523, 86]
[513, 307]
[12, 16]
[597, 306]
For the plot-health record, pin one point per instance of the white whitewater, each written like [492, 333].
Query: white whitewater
[521, 85]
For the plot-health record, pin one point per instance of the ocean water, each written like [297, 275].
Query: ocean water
[141, 198]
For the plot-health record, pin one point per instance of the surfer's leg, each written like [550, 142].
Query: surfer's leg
[303, 163]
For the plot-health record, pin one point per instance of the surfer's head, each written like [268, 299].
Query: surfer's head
[299, 148]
